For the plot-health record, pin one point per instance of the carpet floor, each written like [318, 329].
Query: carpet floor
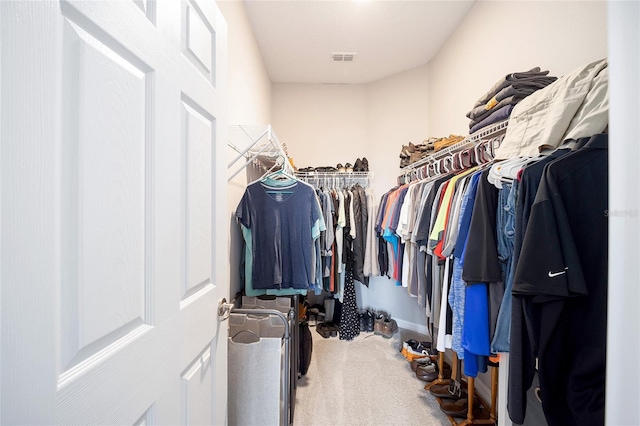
[365, 381]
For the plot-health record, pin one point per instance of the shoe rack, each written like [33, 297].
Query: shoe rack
[444, 158]
[477, 414]
[336, 179]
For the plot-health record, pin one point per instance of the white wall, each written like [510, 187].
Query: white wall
[249, 103]
[623, 322]
[397, 113]
[321, 124]
[499, 37]
[326, 124]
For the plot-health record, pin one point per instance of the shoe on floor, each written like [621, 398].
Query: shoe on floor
[370, 322]
[323, 330]
[379, 323]
[389, 328]
[444, 391]
[458, 408]
[419, 348]
[333, 329]
[420, 361]
[427, 373]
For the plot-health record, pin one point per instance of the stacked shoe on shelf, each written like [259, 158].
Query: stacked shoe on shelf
[411, 153]
[360, 165]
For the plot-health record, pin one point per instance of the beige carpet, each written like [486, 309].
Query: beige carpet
[363, 382]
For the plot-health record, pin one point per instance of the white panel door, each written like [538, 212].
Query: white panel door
[113, 212]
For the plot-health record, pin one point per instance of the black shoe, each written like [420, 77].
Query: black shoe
[363, 321]
[365, 164]
[357, 166]
[333, 329]
[323, 330]
[370, 322]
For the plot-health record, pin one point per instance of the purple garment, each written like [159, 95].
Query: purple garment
[499, 115]
[480, 113]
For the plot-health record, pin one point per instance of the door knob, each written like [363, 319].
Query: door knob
[224, 309]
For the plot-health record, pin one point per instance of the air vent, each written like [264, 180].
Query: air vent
[343, 56]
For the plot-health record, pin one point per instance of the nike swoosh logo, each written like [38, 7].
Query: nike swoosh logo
[555, 274]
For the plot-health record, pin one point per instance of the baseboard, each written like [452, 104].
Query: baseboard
[483, 390]
[418, 328]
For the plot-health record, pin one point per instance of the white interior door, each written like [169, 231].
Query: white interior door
[113, 188]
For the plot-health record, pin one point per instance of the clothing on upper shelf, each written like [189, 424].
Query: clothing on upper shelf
[573, 107]
[514, 79]
[497, 104]
[480, 113]
[499, 114]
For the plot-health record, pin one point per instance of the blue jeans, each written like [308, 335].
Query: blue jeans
[506, 226]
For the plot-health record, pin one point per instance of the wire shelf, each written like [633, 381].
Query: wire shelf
[467, 142]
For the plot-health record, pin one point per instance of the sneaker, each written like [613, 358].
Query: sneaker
[379, 324]
[419, 348]
[426, 373]
[363, 321]
[333, 329]
[406, 344]
[389, 328]
[370, 322]
[323, 330]
[420, 361]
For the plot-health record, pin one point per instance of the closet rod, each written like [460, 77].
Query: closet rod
[335, 174]
[469, 140]
[346, 178]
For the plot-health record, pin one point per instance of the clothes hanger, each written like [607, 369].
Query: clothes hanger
[279, 181]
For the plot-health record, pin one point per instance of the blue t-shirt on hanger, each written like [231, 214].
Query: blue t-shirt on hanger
[281, 222]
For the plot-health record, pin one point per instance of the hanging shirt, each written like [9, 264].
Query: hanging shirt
[522, 347]
[371, 267]
[281, 224]
[569, 283]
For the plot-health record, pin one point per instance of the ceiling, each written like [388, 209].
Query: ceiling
[297, 38]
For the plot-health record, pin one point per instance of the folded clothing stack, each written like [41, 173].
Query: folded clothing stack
[497, 104]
